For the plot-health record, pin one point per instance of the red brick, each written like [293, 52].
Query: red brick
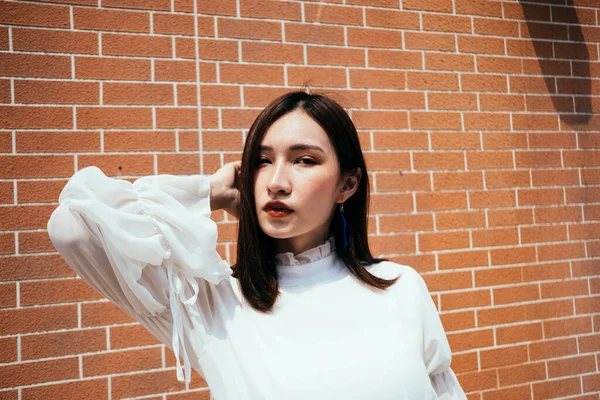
[443, 241]
[57, 142]
[366, 78]
[164, 5]
[557, 214]
[392, 18]
[137, 93]
[249, 73]
[436, 5]
[587, 305]
[449, 62]
[130, 336]
[432, 80]
[404, 181]
[249, 29]
[29, 117]
[516, 294]
[56, 291]
[497, 276]
[405, 223]
[495, 27]
[27, 320]
[539, 234]
[102, 313]
[446, 23]
[387, 161]
[491, 198]
[521, 373]
[56, 92]
[38, 372]
[549, 309]
[529, 197]
[225, 7]
[54, 41]
[111, 20]
[462, 259]
[456, 220]
[238, 118]
[528, 48]
[501, 140]
[439, 160]
[380, 119]
[553, 388]
[34, 65]
[504, 356]
[567, 327]
[371, 37]
[15, 13]
[489, 159]
[272, 53]
[8, 291]
[515, 392]
[178, 164]
[62, 343]
[471, 340]
[136, 45]
[179, 24]
[112, 68]
[309, 33]
[455, 140]
[114, 117]
[122, 164]
[391, 203]
[398, 100]
[468, 299]
[480, 45]
[502, 102]
[486, 121]
[458, 321]
[441, 201]
[47, 266]
[268, 9]
[122, 361]
[561, 251]
[321, 55]
[510, 217]
[395, 59]
[518, 333]
[79, 390]
[481, 83]
[36, 191]
[36, 166]
[452, 101]
[435, 120]
[139, 141]
[392, 244]
[218, 49]
[131, 385]
[429, 41]
[333, 14]
[34, 242]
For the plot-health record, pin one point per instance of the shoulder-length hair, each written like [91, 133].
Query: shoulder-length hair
[255, 268]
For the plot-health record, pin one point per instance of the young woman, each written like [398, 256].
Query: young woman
[307, 312]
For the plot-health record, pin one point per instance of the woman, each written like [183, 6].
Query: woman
[307, 312]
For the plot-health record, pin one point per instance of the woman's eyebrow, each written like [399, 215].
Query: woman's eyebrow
[294, 147]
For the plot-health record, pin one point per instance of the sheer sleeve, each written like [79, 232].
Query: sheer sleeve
[147, 246]
[436, 349]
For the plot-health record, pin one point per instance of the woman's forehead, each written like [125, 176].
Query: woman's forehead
[294, 130]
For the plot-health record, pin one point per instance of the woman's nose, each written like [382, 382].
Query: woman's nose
[279, 180]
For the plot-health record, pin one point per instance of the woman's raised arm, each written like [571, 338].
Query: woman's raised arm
[147, 246]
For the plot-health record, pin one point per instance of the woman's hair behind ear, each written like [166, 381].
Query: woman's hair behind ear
[255, 267]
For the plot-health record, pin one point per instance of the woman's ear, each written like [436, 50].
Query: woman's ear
[351, 182]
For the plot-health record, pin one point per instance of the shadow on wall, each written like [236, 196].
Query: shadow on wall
[563, 89]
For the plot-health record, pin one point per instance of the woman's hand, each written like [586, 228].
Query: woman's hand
[224, 188]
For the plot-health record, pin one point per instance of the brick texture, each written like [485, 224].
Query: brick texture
[478, 120]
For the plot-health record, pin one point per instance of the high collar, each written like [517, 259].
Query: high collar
[308, 267]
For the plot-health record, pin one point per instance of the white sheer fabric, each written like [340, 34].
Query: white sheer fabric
[150, 247]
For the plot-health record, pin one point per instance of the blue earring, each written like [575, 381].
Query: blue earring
[343, 226]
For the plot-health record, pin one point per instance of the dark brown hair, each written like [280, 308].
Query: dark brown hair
[255, 268]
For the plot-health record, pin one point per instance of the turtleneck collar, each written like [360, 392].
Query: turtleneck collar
[308, 267]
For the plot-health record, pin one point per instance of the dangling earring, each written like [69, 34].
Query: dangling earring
[343, 225]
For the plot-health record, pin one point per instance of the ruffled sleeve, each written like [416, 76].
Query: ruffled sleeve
[148, 246]
[436, 349]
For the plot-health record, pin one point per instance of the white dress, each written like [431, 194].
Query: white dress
[150, 247]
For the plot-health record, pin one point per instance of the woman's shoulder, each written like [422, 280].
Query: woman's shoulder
[390, 270]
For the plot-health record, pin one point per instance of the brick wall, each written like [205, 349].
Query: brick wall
[477, 121]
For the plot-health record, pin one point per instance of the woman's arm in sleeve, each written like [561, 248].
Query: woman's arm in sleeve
[436, 349]
[148, 246]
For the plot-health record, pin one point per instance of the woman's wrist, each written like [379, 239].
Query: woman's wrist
[216, 193]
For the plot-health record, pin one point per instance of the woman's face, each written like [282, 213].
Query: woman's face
[298, 166]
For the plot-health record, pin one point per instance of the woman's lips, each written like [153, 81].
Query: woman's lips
[279, 213]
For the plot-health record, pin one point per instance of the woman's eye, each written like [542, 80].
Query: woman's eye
[261, 161]
[307, 160]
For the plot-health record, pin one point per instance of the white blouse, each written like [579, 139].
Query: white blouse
[150, 248]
